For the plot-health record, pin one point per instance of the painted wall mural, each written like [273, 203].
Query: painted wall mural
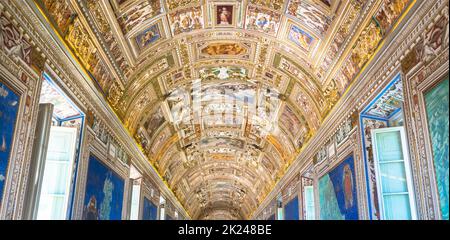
[337, 193]
[9, 106]
[150, 210]
[104, 193]
[437, 106]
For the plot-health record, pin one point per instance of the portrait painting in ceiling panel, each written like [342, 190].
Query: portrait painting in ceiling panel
[224, 15]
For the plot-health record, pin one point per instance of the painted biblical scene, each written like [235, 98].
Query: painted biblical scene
[186, 20]
[150, 210]
[224, 15]
[262, 20]
[301, 38]
[104, 193]
[221, 49]
[148, 37]
[437, 107]
[337, 193]
[9, 107]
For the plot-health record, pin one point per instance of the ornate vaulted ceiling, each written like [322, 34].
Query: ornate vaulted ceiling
[222, 95]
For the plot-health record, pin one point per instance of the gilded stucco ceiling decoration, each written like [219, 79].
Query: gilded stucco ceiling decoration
[222, 95]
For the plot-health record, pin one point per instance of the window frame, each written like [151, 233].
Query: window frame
[408, 170]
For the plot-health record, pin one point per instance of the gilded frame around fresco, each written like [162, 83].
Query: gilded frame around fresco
[12, 70]
[93, 147]
[19, 90]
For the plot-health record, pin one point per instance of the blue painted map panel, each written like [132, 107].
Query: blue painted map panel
[291, 210]
[9, 107]
[104, 193]
[150, 210]
[337, 193]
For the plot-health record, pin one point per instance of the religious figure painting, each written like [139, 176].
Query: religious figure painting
[217, 49]
[186, 20]
[224, 15]
[437, 108]
[104, 193]
[150, 210]
[9, 107]
[262, 20]
[148, 37]
[337, 193]
[300, 37]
